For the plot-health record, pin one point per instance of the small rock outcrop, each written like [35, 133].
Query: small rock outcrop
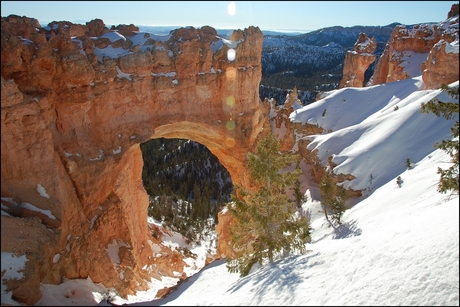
[224, 248]
[358, 61]
[281, 125]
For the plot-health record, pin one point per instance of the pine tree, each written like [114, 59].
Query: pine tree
[299, 197]
[408, 164]
[267, 222]
[333, 199]
[399, 181]
[449, 177]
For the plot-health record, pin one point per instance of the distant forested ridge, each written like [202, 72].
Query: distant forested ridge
[313, 62]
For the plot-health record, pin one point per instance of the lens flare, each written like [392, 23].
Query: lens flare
[230, 73]
[230, 142]
[230, 100]
[230, 125]
[231, 54]
[231, 8]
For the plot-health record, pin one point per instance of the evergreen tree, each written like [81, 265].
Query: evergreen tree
[399, 181]
[408, 164]
[299, 197]
[333, 199]
[266, 222]
[449, 177]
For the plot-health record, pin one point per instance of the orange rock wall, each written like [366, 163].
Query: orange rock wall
[72, 123]
[442, 64]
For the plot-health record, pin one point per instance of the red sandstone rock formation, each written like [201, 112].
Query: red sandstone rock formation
[357, 62]
[453, 11]
[280, 122]
[419, 40]
[442, 64]
[73, 115]
[435, 47]
[224, 248]
[20, 26]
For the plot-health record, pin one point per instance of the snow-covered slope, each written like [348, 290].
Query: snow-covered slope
[397, 245]
[375, 129]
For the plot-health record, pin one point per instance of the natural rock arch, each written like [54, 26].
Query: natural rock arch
[71, 128]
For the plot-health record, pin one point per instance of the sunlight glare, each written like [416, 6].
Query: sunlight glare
[231, 8]
[230, 73]
[230, 124]
[230, 101]
[230, 142]
[231, 54]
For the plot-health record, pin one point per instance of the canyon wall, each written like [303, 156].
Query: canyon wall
[77, 100]
[430, 50]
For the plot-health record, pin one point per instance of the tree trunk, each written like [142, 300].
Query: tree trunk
[327, 217]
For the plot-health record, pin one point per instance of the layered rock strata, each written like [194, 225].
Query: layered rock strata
[77, 100]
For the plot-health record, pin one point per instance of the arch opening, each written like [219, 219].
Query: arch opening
[186, 183]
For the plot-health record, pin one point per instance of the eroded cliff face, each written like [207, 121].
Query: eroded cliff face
[77, 100]
[433, 48]
[442, 64]
[358, 61]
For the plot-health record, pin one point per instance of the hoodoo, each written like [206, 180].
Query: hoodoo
[357, 62]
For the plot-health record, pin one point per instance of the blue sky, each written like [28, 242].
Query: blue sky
[267, 15]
